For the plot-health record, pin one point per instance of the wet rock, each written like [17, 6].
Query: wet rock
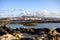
[57, 30]
[7, 28]
[26, 39]
[16, 29]
[2, 31]
[23, 30]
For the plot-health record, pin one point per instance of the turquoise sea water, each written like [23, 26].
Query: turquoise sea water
[40, 25]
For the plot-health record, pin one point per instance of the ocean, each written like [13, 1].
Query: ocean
[39, 25]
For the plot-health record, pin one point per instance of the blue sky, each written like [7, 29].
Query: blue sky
[7, 6]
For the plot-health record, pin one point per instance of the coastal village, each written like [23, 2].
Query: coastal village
[22, 18]
[31, 18]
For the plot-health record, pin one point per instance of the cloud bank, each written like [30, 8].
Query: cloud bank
[21, 12]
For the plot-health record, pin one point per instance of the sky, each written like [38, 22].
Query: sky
[14, 8]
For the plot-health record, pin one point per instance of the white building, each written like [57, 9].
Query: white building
[31, 18]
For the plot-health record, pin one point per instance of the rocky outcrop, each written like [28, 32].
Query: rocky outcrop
[2, 31]
[34, 31]
[8, 37]
[33, 34]
[43, 33]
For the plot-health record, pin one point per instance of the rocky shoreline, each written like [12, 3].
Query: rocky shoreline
[7, 33]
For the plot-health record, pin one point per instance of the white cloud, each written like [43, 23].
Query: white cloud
[47, 13]
[26, 12]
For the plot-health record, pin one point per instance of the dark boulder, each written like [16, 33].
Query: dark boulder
[57, 30]
[26, 39]
[2, 31]
[46, 30]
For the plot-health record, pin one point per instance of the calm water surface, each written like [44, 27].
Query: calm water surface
[40, 25]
